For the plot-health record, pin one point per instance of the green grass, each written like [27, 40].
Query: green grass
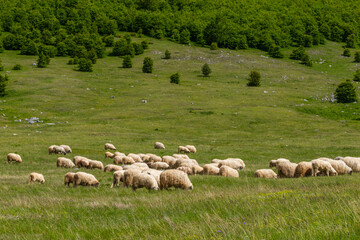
[288, 116]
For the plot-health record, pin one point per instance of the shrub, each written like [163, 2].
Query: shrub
[1, 66]
[85, 65]
[145, 44]
[214, 46]
[357, 57]
[167, 54]
[175, 78]
[274, 51]
[254, 79]
[17, 67]
[346, 52]
[43, 60]
[109, 40]
[92, 56]
[127, 63]
[357, 75]
[147, 65]
[298, 53]
[3, 83]
[206, 70]
[306, 60]
[345, 92]
[351, 41]
[138, 48]
[185, 36]
[70, 62]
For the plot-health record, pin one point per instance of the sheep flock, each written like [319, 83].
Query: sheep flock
[153, 172]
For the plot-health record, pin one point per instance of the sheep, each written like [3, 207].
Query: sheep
[303, 169]
[154, 173]
[215, 160]
[64, 162]
[142, 166]
[186, 170]
[13, 157]
[159, 165]
[112, 168]
[51, 149]
[85, 179]
[352, 162]
[134, 156]
[191, 148]
[273, 162]
[233, 163]
[67, 148]
[226, 171]
[109, 155]
[118, 159]
[119, 154]
[36, 177]
[265, 173]
[59, 150]
[109, 146]
[179, 156]
[321, 166]
[153, 158]
[196, 169]
[117, 177]
[129, 175]
[69, 178]
[96, 164]
[286, 169]
[83, 162]
[183, 162]
[210, 169]
[159, 145]
[77, 159]
[144, 180]
[127, 160]
[175, 178]
[183, 149]
[340, 167]
[168, 159]
[144, 157]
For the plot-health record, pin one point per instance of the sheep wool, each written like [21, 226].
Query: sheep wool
[85, 179]
[96, 164]
[129, 175]
[117, 177]
[36, 177]
[159, 165]
[144, 180]
[182, 149]
[191, 148]
[67, 148]
[352, 162]
[109, 155]
[109, 146]
[303, 169]
[226, 171]
[286, 169]
[340, 167]
[69, 178]
[159, 145]
[13, 157]
[154, 173]
[322, 167]
[174, 178]
[112, 168]
[265, 173]
[186, 170]
[210, 169]
[135, 157]
[64, 162]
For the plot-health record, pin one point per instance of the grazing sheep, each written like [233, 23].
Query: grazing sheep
[175, 178]
[183, 162]
[59, 150]
[322, 167]
[69, 178]
[233, 163]
[135, 157]
[186, 170]
[159, 165]
[226, 171]
[168, 159]
[85, 179]
[129, 175]
[182, 149]
[273, 162]
[340, 167]
[36, 177]
[119, 154]
[112, 168]
[153, 158]
[196, 169]
[191, 148]
[118, 159]
[13, 157]
[352, 162]
[142, 166]
[84, 162]
[215, 160]
[96, 164]
[154, 173]
[144, 157]
[109, 146]
[117, 177]
[144, 180]
[77, 159]
[210, 169]
[303, 169]
[286, 169]
[265, 173]
[109, 155]
[52, 149]
[67, 148]
[179, 156]
[132, 166]
[64, 162]
[159, 145]
[127, 160]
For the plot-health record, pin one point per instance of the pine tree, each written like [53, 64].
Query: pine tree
[254, 79]
[3, 83]
[175, 78]
[167, 54]
[43, 60]
[206, 70]
[147, 65]
[85, 65]
[127, 63]
[345, 92]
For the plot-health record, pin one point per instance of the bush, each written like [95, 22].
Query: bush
[167, 54]
[70, 62]
[85, 65]
[206, 70]
[138, 48]
[345, 92]
[254, 79]
[145, 44]
[357, 75]
[274, 51]
[185, 36]
[298, 53]
[214, 46]
[357, 57]
[127, 63]
[175, 78]
[92, 56]
[17, 67]
[109, 40]
[1, 66]
[346, 52]
[3, 83]
[306, 60]
[147, 65]
[43, 60]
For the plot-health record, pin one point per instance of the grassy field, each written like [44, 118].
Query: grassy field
[288, 116]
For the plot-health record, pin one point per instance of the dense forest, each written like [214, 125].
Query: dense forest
[58, 27]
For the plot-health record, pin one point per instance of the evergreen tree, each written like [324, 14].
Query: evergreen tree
[1, 66]
[3, 83]
[185, 36]
[145, 44]
[138, 48]
[147, 65]
[92, 56]
[167, 54]
[214, 46]
[357, 57]
[345, 92]
[357, 75]
[298, 53]
[175, 78]
[351, 41]
[346, 52]
[254, 79]
[85, 65]
[306, 60]
[127, 62]
[274, 52]
[43, 60]
[17, 67]
[206, 70]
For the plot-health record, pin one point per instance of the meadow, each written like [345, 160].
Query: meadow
[288, 116]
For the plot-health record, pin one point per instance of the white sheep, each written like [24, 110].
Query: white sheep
[77, 159]
[186, 170]
[67, 148]
[52, 149]
[144, 180]
[117, 177]
[109, 155]
[69, 178]
[168, 159]
[36, 177]
[153, 158]
[64, 162]
[59, 150]
[286, 169]
[273, 162]
[13, 157]
[159, 145]
[182, 149]
[340, 166]
[96, 164]
[109, 146]
[129, 175]
[136, 157]
[85, 179]
[210, 169]
[322, 167]
[154, 173]
[83, 162]
[191, 148]
[303, 169]
[352, 162]
[159, 165]
[112, 168]
[226, 171]
[175, 178]
[265, 173]
[236, 164]
[179, 156]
